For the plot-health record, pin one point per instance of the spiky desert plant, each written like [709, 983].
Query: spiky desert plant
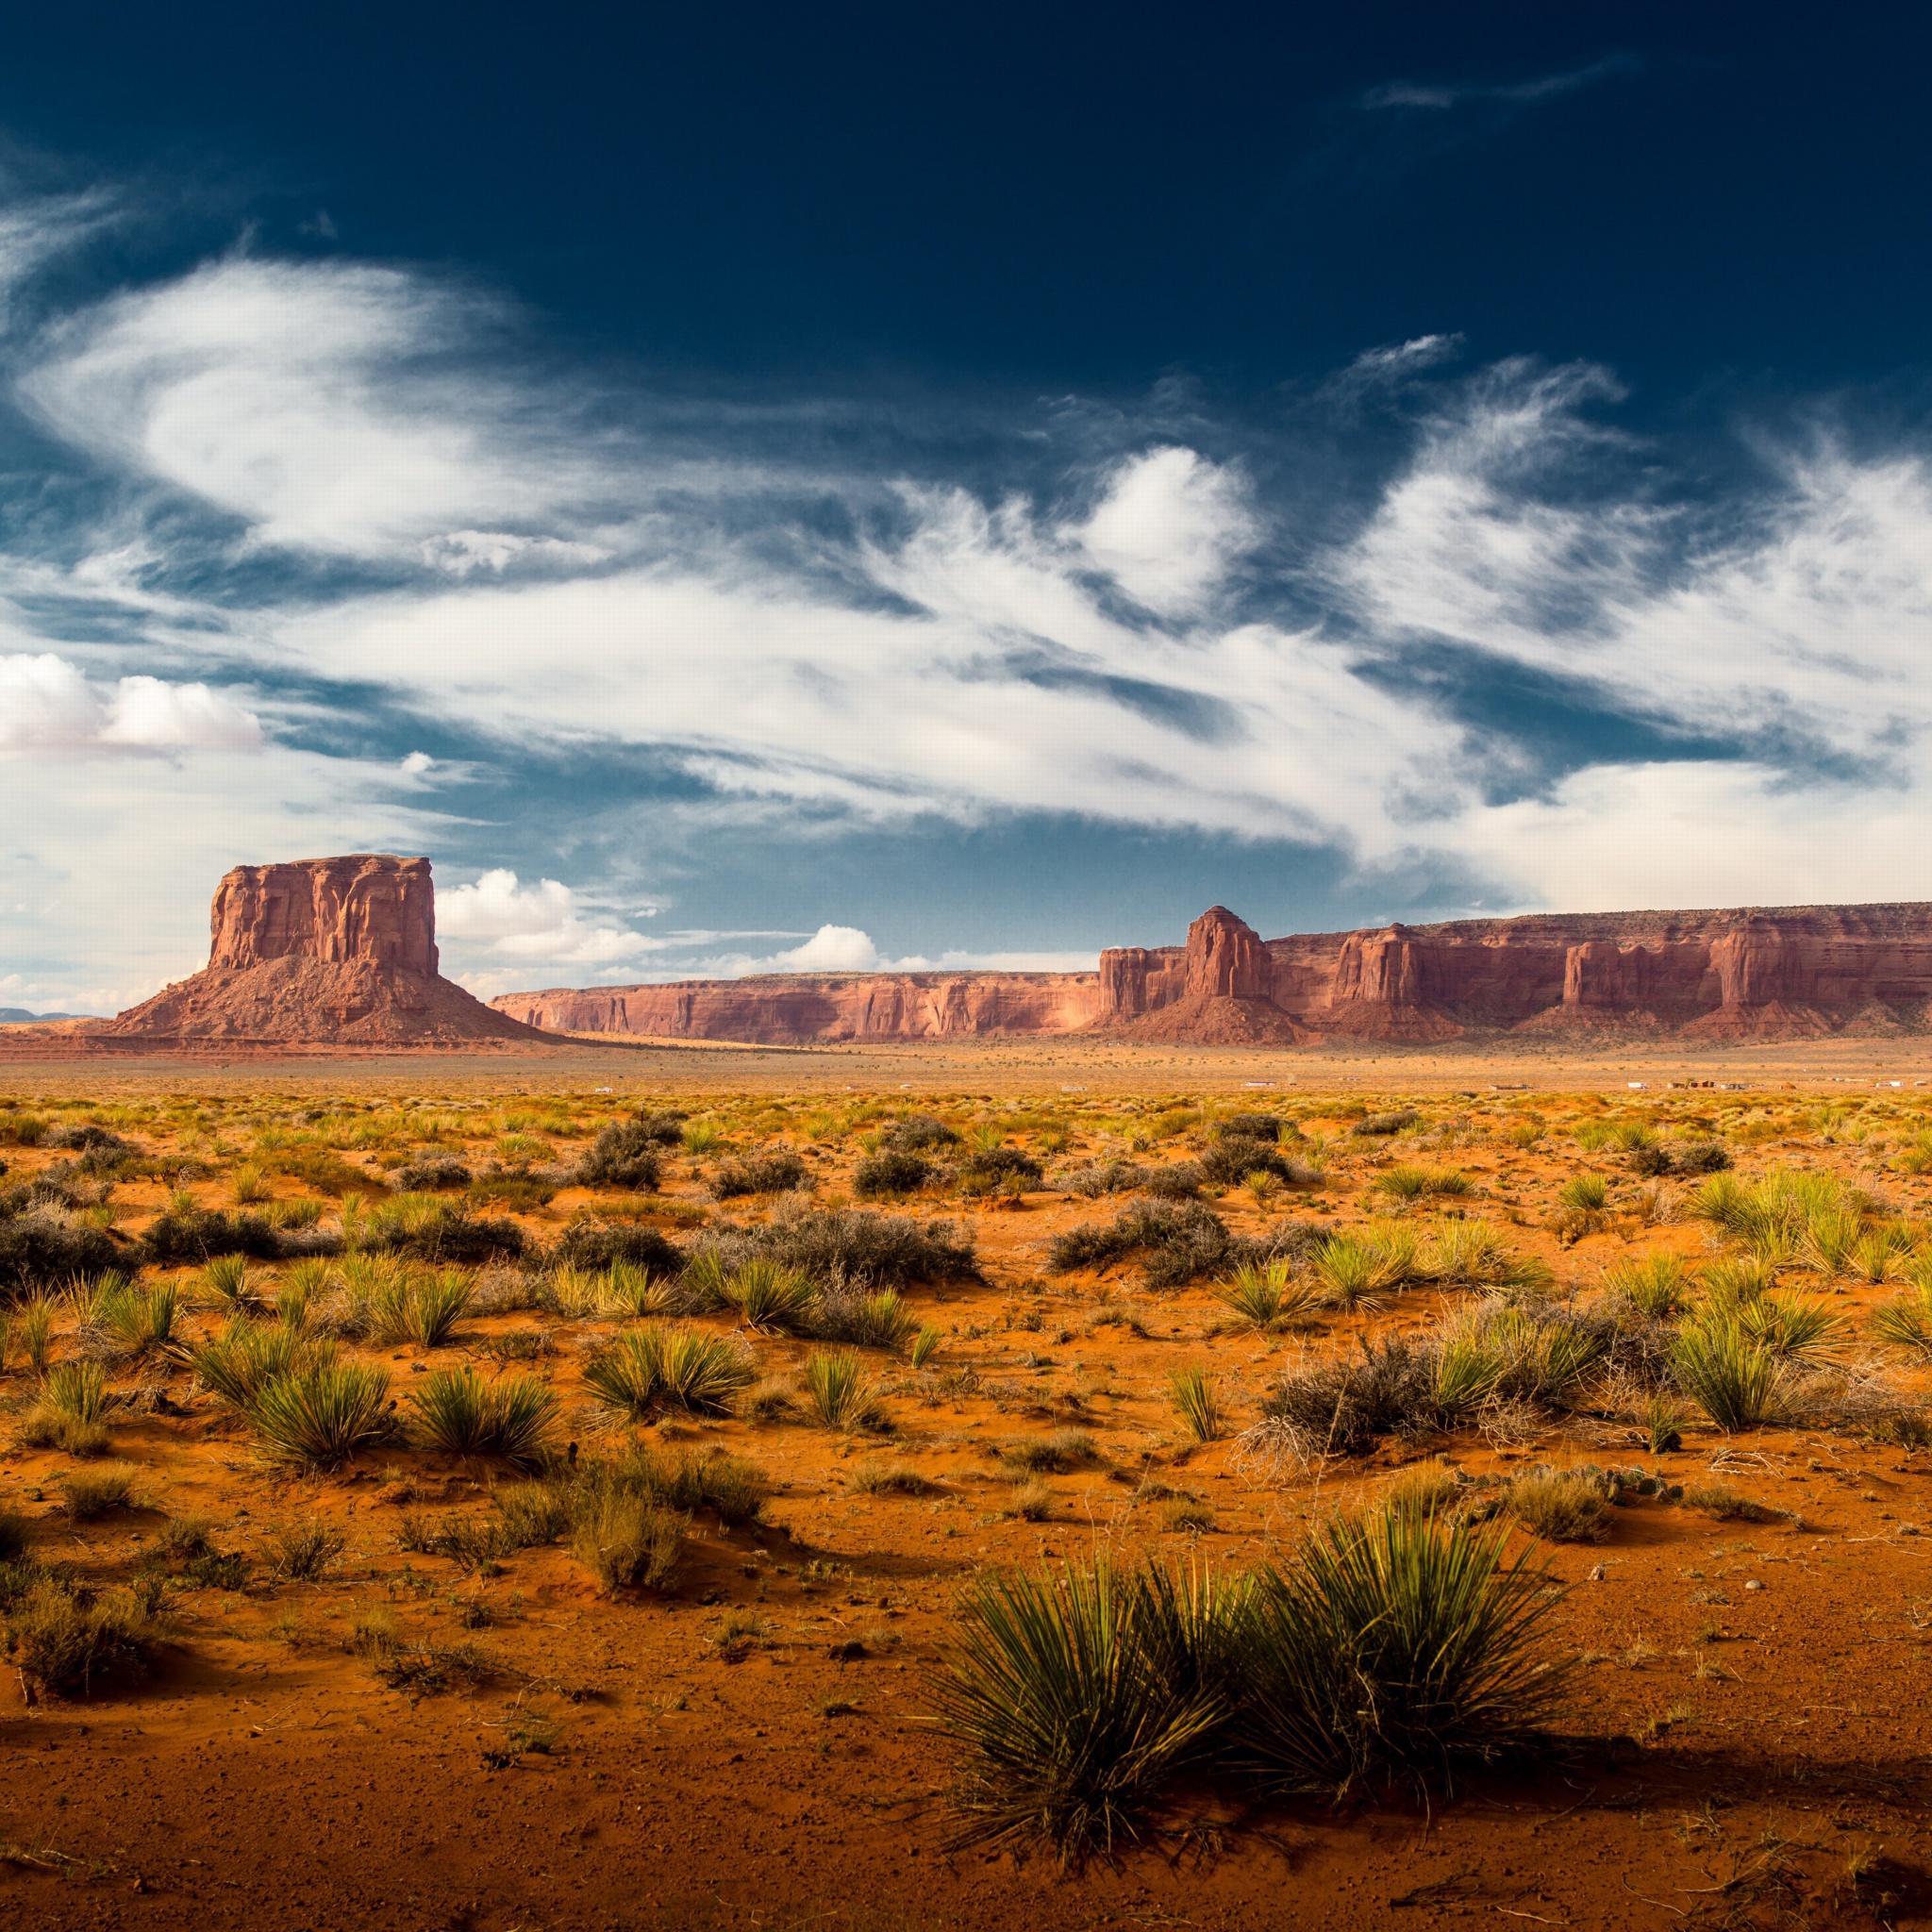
[1587, 1192]
[1734, 1379]
[1793, 1328]
[1561, 1507]
[34, 1329]
[635, 1292]
[76, 1390]
[630, 1375]
[318, 1418]
[1470, 1254]
[1267, 1296]
[1396, 1650]
[1659, 1287]
[1193, 1393]
[224, 1283]
[700, 1373]
[837, 1391]
[1075, 1695]
[239, 1362]
[138, 1323]
[1906, 1320]
[1832, 1235]
[770, 1296]
[925, 1344]
[459, 1413]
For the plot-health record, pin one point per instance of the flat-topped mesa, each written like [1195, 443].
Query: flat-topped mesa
[321, 951]
[365, 906]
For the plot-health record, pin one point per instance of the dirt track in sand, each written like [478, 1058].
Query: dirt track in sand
[1740, 1755]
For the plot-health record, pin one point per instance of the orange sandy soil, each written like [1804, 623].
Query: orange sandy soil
[1735, 1756]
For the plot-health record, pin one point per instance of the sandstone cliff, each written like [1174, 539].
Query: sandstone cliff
[1742, 973]
[322, 952]
[790, 1010]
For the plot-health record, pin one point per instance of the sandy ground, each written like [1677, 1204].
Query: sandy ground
[1747, 1738]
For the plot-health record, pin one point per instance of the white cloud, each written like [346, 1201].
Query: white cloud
[831, 949]
[48, 707]
[496, 917]
[1167, 529]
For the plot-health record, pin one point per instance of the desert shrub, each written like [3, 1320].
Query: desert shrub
[205, 1234]
[77, 1391]
[1196, 1401]
[889, 1173]
[838, 1394]
[625, 1155]
[1267, 1297]
[732, 1487]
[325, 1171]
[317, 1417]
[1340, 1407]
[758, 1174]
[595, 1246]
[428, 1172]
[389, 1304]
[1702, 1156]
[769, 1296]
[1115, 1176]
[1361, 1270]
[86, 1137]
[225, 1281]
[1536, 1355]
[1560, 1505]
[626, 1542]
[880, 1319]
[1735, 1379]
[658, 1364]
[635, 1292]
[38, 1248]
[854, 1245]
[918, 1133]
[1069, 1696]
[874, 1475]
[1229, 1163]
[63, 1645]
[459, 1413]
[999, 1170]
[1380, 1125]
[1175, 1243]
[1178, 1181]
[512, 1188]
[22, 1129]
[429, 1229]
[1394, 1651]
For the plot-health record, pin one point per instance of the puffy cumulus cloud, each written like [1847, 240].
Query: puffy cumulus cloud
[1167, 529]
[831, 949]
[48, 707]
[315, 400]
[542, 923]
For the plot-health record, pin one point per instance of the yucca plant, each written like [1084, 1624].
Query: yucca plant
[76, 1390]
[1266, 1296]
[239, 1363]
[225, 1283]
[1734, 1379]
[703, 1281]
[1832, 1237]
[1793, 1328]
[424, 1308]
[1906, 1320]
[1076, 1695]
[580, 1294]
[318, 1418]
[1659, 1287]
[837, 1391]
[634, 1293]
[36, 1331]
[925, 1344]
[1193, 1393]
[1470, 1254]
[1588, 1192]
[770, 1296]
[459, 1413]
[138, 1323]
[702, 1372]
[1397, 1650]
[630, 1375]
[1731, 1284]
[249, 1184]
[1360, 1271]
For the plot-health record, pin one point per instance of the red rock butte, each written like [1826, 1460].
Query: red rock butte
[1744, 974]
[321, 951]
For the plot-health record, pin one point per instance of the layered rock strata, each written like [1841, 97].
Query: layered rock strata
[1743, 973]
[323, 952]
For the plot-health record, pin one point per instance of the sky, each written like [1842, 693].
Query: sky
[769, 489]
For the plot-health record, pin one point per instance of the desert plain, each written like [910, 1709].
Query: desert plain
[395, 1683]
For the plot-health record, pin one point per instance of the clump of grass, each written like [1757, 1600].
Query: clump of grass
[35, 1327]
[870, 1320]
[1586, 1193]
[1470, 1254]
[1406, 1181]
[459, 1413]
[873, 1475]
[1724, 1502]
[1061, 1451]
[1792, 1327]
[424, 1308]
[626, 1542]
[634, 1293]
[317, 1417]
[90, 1493]
[302, 1552]
[1029, 1502]
[64, 1646]
[838, 1394]
[1425, 1489]
[1663, 1424]
[70, 1413]
[925, 1344]
[1660, 1288]
[225, 1283]
[1193, 1393]
[1560, 1507]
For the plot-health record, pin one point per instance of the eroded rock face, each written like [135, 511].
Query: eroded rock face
[365, 907]
[323, 952]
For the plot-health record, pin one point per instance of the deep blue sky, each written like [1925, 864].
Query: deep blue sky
[757, 298]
